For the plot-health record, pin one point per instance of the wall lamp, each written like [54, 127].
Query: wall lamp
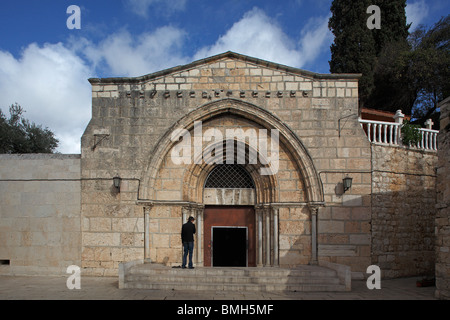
[116, 181]
[347, 183]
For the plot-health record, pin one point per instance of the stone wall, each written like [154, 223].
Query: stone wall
[403, 211]
[443, 206]
[52, 216]
[40, 230]
[132, 116]
[112, 225]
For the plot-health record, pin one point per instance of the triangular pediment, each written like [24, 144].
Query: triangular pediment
[228, 64]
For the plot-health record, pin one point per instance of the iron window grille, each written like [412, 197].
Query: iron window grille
[229, 176]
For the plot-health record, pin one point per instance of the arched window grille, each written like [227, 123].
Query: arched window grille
[229, 176]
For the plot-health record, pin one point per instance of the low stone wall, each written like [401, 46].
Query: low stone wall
[39, 213]
[403, 211]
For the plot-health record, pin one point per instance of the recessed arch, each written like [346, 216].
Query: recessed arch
[246, 110]
[196, 175]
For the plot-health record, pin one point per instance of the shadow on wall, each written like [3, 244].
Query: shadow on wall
[403, 232]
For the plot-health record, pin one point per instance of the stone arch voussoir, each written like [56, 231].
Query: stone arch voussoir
[290, 141]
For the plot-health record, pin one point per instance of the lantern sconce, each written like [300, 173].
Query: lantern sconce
[116, 181]
[347, 183]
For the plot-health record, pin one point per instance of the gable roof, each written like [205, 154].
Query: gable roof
[230, 55]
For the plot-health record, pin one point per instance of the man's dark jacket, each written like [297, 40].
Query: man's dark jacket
[187, 232]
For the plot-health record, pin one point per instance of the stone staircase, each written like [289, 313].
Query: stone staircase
[300, 279]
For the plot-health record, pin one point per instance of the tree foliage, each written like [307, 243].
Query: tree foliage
[356, 47]
[414, 76]
[353, 50]
[19, 135]
[399, 70]
[411, 135]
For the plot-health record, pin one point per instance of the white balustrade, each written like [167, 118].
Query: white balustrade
[381, 132]
[389, 133]
[429, 139]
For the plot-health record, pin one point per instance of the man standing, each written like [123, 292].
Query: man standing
[187, 238]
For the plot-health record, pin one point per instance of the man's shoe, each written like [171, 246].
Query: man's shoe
[191, 267]
[183, 267]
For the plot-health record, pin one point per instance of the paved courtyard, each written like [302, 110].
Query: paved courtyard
[106, 288]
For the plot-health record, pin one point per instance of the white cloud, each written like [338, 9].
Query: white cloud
[255, 34]
[122, 54]
[50, 83]
[259, 36]
[165, 7]
[416, 12]
[315, 38]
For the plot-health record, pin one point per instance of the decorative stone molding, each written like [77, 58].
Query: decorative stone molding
[288, 139]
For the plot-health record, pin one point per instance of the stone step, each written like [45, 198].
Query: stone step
[307, 271]
[233, 287]
[232, 279]
[305, 278]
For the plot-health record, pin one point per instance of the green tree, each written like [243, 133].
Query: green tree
[356, 48]
[394, 27]
[353, 49]
[19, 135]
[414, 77]
[429, 72]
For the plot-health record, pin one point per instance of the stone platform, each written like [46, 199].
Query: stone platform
[300, 279]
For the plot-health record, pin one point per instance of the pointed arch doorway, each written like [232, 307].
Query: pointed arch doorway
[229, 225]
[267, 201]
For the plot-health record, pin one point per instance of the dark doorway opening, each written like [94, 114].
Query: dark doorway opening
[229, 246]
[229, 217]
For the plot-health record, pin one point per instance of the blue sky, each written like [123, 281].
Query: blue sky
[44, 66]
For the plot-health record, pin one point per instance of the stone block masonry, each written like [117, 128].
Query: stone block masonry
[403, 211]
[137, 113]
[59, 210]
[40, 197]
[443, 206]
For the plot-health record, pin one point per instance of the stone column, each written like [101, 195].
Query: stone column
[275, 237]
[147, 210]
[259, 222]
[199, 232]
[267, 213]
[185, 213]
[314, 211]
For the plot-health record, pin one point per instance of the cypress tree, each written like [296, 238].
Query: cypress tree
[391, 42]
[393, 24]
[353, 50]
[356, 48]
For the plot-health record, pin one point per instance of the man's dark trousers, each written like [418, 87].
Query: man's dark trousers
[188, 249]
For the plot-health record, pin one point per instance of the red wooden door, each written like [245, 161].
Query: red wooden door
[230, 216]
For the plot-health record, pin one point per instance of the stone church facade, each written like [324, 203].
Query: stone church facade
[131, 136]
[257, 152]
